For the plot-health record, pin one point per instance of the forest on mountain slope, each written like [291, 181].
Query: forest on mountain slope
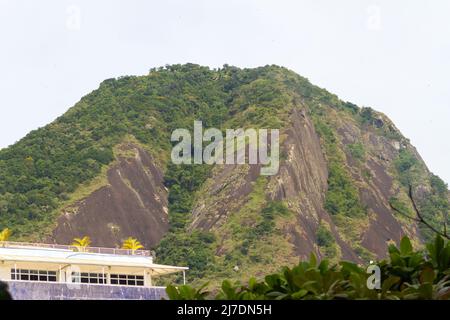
[50, 168]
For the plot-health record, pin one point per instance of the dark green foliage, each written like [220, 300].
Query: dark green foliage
[367, 115]
[41, 172]
[438, 185]
[44, 168]
[267, 225]
[357, 151]
[255, 95]
[352, 107]
[179, 247]
[405, 163]
[434, 205]
[326, 133]
[4, 294]
[182, 181]
[101, 155]
[401, 206]
[324, 237]
[185, 292]
[188, 249]
[342, 196]
[326, 242]
[439, 253]
[407, 274]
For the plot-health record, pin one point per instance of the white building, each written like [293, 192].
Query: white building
[44, 271]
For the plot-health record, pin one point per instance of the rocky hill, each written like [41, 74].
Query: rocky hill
[103, 169]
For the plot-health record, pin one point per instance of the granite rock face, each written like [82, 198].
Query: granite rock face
[134, 203]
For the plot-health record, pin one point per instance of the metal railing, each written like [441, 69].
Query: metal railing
[124, 252]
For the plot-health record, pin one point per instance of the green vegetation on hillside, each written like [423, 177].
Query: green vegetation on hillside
[255, 101]
[408, 167]
[179, 246]
[197, 248]
[54, 167]
[183, 181]
[406, 275]
[433, 202]
[342, 195]
[357, 151]
[41, 171]
[326, 242]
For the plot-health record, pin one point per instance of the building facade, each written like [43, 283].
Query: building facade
[48, 272]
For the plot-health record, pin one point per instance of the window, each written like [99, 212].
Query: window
[127, 280]
[85, 277]
[33, 275]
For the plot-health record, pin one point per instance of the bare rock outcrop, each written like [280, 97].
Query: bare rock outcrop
[134, 203]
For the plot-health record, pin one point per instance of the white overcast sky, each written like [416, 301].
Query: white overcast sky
[391, 55]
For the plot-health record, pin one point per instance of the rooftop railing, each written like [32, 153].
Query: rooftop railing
[124, 252]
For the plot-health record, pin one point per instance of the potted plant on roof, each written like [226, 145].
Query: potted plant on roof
[4, 236]
[81, 244]
[132, 244]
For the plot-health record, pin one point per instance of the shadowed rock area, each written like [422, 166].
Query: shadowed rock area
[133, 204]
[302, 182]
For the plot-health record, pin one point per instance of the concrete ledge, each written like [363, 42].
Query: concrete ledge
[23, 290]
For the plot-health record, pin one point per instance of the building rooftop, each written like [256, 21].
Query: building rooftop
[91, 256]
[126, 252]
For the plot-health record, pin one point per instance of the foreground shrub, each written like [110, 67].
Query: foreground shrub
[406, 274]
[4, 294]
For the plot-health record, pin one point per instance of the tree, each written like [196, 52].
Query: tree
[132, 244]
[81, 243]
[4, 294]
[407, 274]
[420, 217]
